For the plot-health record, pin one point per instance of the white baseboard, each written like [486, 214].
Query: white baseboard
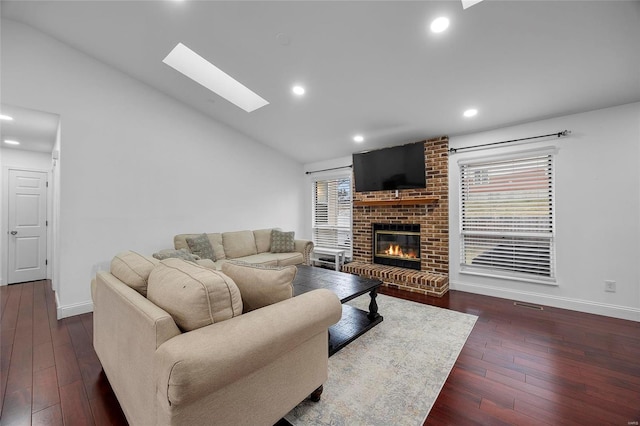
[615, 311]
[73, 309]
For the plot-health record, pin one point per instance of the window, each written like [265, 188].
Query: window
[332, 214]
[507, 223]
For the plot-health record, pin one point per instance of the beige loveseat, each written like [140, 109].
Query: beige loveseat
[244, 368]
[251, 247]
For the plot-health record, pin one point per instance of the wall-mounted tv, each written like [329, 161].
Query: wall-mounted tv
[398, 167]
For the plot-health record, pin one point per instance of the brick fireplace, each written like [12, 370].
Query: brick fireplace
[427, 208]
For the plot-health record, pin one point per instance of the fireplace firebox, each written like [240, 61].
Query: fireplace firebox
[397, 245]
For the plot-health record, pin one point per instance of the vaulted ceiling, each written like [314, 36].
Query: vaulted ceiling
[369, 68]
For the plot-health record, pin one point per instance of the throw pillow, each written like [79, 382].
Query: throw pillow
[282, 242]
[261, 285]
[201, 246]
[193, 295]
[179, 254]
[133, 269]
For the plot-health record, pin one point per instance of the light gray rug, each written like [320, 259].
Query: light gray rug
[392, 374]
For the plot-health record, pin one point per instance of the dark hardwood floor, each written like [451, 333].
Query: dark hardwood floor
[519, 366]
[524, 366]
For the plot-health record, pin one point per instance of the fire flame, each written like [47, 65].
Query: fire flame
[396, 250]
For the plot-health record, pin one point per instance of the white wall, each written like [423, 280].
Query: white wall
[139, 167]
[55, 215]
[25, 159]
[597, 212]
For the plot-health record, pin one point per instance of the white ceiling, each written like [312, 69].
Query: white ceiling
[35, 130]
[368, 67]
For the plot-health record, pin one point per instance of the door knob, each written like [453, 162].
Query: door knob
[14, 232]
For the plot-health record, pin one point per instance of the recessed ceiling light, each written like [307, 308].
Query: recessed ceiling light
[358, 138]
[194, 66]
[11, 142]
[471, 112]
[5, 117]
[298, 90]
[439, 24]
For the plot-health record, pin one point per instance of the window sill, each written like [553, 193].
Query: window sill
[544, 281]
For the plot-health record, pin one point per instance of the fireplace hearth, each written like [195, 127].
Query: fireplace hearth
[397, 245]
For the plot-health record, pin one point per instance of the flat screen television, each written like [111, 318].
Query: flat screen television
[398, 167]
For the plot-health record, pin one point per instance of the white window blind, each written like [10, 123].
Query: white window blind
[332, 214]
[507, 222]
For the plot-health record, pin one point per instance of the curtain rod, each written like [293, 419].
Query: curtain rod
[558, 134]
[326, 170]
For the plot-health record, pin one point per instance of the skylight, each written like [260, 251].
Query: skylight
[194, 66]
[468, 3]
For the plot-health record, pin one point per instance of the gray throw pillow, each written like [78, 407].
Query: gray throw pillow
[201, 246]
[282, 242]
[178, 254]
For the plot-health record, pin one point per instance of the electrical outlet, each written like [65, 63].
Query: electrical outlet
[610, 286]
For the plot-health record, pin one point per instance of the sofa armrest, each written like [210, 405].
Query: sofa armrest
[202, 361]
[305, 247]
[127, 330]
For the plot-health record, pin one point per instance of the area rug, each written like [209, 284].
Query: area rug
[392, 374]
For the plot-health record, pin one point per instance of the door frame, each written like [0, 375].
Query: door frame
[4, 223]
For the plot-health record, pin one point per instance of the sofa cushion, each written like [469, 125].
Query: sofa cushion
[201, 246]
[180, 241]
[272, 259]
[282, 242]
[216, 243]
[193, 295]
[263, 240]
[285, 259]
[183, 254]
[261, 285]
[133, 269]
[239, 244]
[265, 259]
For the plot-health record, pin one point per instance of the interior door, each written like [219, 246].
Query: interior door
[27, 226]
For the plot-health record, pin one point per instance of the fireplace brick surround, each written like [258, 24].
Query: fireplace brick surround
[428, 207]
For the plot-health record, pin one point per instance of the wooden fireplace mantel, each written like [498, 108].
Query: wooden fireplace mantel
[398, 202]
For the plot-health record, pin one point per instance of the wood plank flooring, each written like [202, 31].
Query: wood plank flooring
[519, 366]
[50, 374]
[524, 366]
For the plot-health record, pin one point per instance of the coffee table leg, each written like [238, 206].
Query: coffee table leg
[373, 306]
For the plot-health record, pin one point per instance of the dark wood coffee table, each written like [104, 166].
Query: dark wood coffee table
[354, 322]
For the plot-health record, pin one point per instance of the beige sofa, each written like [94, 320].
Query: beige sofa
[249, 369]
[251, 247]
